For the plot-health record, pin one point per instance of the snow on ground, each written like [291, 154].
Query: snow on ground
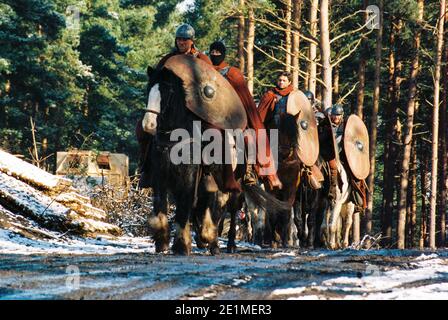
[28, 172]
[13, 243]
[424, 277]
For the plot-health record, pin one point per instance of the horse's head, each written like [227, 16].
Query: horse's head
[173, 111]
[149, 121]
[288, 133]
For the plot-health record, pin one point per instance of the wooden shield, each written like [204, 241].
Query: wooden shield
[327, 141]
[356, 146]
[298, 104]
[207, 93]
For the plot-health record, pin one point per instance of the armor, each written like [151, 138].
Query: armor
[185, 31]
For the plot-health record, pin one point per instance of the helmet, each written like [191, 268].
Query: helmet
[185, 31]
[309, 95]
[337, 110]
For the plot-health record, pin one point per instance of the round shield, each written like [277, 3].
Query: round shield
[298, 105]
[356, 146]
[207, 93]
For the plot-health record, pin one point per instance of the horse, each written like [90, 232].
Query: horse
[184, 180]
[338, 217]
[310, 205]
[279, 227]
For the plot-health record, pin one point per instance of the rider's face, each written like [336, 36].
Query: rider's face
[336, 119]
[215, 52]
[184, 45]
[283, 82]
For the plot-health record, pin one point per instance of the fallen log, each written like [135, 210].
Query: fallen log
[20, 198]
[31, 174]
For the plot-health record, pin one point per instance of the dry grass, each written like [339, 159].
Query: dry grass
[126, 207]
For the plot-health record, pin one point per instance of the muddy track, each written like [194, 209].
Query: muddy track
[258, 274]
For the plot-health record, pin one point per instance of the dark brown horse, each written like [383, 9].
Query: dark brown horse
[184, 181]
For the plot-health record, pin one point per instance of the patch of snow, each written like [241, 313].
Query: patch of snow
[309, 297]
[28, 172]
[438, 291]
[283, 254]
[243, 280]
[25, 196]
[288, 291]
[426, 257]
[12, 243]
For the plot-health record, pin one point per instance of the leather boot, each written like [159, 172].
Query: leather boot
[333, 179]
[274, 182]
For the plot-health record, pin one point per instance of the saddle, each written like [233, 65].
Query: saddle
[315, 177]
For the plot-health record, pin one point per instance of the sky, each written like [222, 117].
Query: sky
[184, 5]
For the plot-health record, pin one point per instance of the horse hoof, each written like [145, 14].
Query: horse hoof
[199, 243]
[180, 248]
[214, 251]
[231, 249]
[161, 247]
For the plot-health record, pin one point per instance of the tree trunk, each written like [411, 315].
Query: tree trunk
[241, 28]
[411, 198]
[408, 134]
[388, 179]
[374, 123]
[325, 55]
[443, 152]
[296, 11]
[435, 127]
[362, 70]
[288, 14]
[361, 86]
[336, 83]
[424, 187]
[250, 50]
[312, 54]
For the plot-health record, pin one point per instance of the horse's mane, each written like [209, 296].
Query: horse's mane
[174, 113]
[288, 126]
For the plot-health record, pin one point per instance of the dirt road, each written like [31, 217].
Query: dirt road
[249, 274]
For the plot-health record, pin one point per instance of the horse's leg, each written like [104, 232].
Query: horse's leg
[209, 232]
[250, 230]
[322, 205]
[233, 208]
[311, 221]
[324, 228]
[348, 213]
[213, 215]
[184, 207]
[257, 221]
[158, 221]
[334, 223]
[182, 238]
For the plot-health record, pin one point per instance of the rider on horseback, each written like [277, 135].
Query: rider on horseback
[274, 102]
[184, 44]
[316, 106]
[335, 124]
[236, 79]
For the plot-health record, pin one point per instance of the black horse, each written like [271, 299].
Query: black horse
[185, 181]
[298, 190]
